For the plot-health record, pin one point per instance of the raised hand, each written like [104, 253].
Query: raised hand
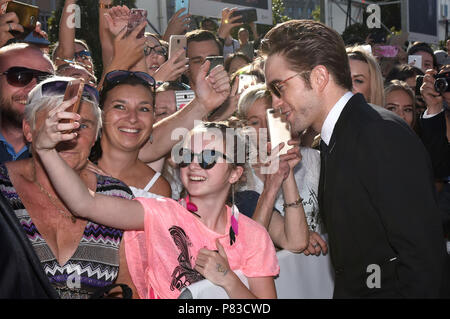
[52, 131]
[177, 24]
[227, 23]
[128, 50]
[8, 22]
[432, 98]
[172, 69]
[213, 89]
[117, 19]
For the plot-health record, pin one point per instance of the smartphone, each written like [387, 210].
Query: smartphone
[245, 81]
[415, 60]
[214, 61]
[177, 42]
[183, 97]
[27, 14]
[247, 15]
[137, 16]
[74, 88]
[180, 4]
[388, 51]
[279, 130]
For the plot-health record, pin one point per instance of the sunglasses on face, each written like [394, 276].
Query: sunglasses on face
[206, 159]
[159, 50]
[84, 54]
[20, 76]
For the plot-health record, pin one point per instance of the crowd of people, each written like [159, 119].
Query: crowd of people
[136, 189]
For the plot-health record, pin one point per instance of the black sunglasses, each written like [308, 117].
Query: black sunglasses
[206, 159]
[114, 78]
[19, 76]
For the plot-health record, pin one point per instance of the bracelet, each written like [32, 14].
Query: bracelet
[297, 203]
[105, 6]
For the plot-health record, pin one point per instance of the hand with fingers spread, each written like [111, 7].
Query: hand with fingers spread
[172, 69]
[117, 19]
[8, 22]
[178, 24]
[228, 22]
[213, 265]
[52, 131]
[213, 89]
[316, 245]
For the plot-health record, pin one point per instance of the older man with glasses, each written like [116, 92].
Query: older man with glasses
[22, 66]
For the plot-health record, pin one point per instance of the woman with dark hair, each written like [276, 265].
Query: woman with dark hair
[127, 101]
[235, 61]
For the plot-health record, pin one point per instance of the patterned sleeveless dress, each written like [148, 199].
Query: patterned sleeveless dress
[95, 263]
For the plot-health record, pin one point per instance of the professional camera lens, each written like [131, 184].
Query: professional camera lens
[441, 85]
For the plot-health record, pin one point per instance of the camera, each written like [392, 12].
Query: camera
[441, 85]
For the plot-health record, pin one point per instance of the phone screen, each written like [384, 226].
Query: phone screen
[137, 16]
[214, 61]
[74, 88]
[279, 130]
[415, 60]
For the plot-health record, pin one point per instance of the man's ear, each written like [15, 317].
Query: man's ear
[27, 131]
[236, 174]
[320, 77]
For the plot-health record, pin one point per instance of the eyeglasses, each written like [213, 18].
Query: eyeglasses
[207, 159]
[114, 78]
[159, 50]
[58, 87]
[19, 76]
[84, 54]
[275, 87]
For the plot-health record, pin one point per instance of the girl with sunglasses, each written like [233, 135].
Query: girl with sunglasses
[185, 242]
[127, 101]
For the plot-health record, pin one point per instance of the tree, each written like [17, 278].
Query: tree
[278, 12]
[89, 27]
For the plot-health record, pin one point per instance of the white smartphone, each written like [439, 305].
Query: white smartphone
[415, 60]
[183, 97]
[177, 42]
[279, 130]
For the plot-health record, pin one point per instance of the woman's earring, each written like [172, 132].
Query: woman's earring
[150, 139]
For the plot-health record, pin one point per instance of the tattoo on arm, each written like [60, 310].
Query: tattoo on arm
[221, 269]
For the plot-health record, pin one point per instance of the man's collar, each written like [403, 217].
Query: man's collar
[333, 116]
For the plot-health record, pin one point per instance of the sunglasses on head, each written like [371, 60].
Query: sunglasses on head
[206, 159]
[59, 88]
[19, 76]
[116, 77]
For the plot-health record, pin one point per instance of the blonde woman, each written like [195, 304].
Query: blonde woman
[366, 75]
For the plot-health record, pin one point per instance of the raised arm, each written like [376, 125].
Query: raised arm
[178, 24]
[82, 202]
[66, 36]
[211, 92]
[106, 38]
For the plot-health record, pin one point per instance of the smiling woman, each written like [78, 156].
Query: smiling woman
[127, 101]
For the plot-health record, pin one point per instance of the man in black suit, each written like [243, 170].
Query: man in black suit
[376, 186]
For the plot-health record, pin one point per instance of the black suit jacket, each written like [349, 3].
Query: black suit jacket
[379, 207]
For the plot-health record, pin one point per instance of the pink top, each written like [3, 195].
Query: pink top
[161, 258]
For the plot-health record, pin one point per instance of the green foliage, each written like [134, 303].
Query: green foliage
[278, 12]
[316, 13]
[89, 27]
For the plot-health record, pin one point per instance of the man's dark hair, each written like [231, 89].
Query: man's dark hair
[306, 44]
[422, 46]
[403, 72]
[203, 35]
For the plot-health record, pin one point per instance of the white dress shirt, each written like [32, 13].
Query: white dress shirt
[333, 116]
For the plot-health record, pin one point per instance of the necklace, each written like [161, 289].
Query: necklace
[52, 198]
